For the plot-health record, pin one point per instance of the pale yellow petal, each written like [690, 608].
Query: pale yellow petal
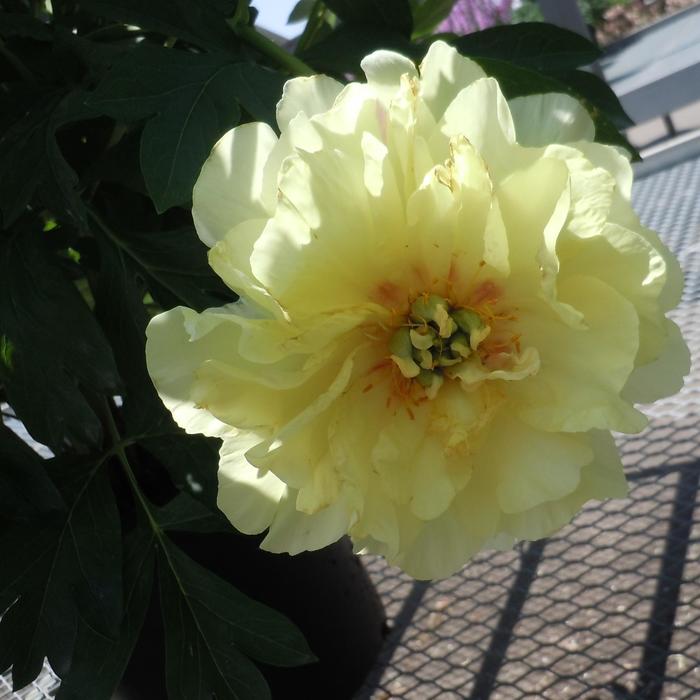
[293, 532]
[480, 113]
[664, 375]
[384, 70]
[582, 370]
[231, 187]
[550, 118]
[444, 73]
[533, 466]
[309, 95]
[172, 361]
[602, 477]
[248, 497]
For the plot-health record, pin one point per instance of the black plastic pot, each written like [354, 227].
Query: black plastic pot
[326, 593]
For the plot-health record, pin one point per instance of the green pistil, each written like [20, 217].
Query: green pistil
[435, 336]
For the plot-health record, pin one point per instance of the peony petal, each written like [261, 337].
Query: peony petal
[230, 188]
[294, 532]
[533, 466]
[480, 113]
[444, 73]
[664, 375]
[582, 370]
[248, 497]
[310, 95]
[172, 360]
[550, 118]
[384, 70]
[603, 477]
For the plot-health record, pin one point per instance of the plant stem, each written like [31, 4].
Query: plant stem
[16, 63]
[119, 451]
[268, 47]
[313, 24]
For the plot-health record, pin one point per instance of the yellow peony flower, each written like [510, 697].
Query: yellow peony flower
[447, 304]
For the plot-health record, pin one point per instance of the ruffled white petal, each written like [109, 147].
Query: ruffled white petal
[248, 497]
[550, 118]
[231, 187]
[444, 73]
[309, 95]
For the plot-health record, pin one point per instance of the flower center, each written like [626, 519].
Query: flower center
[436, 336]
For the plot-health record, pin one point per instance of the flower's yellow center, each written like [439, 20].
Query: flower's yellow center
[435, 336]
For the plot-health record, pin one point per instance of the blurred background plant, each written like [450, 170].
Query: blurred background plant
[108, 108]
[608, 20]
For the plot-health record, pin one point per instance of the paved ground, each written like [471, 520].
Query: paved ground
[608, 609]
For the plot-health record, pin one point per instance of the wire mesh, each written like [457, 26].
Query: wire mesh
[609, 608]
[41, 689]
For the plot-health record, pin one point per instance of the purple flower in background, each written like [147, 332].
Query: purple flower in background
[471, 15]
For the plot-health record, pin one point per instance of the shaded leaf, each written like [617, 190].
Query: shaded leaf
[428, 14]
[599, 94]
[208, 623]
[535, 45]
[30, 159]
[258, 90]
[341, 51]
[120, 310]
[15, 24]
[200, 23]
[175, 266]
[74, 569]
[25, 487]
[57, 346]
[385, 14]
[99, 662]
[192, 461]
[191, 100]
[301, 11]
[185, 513]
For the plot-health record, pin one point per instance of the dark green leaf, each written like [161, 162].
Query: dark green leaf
[198, 667]
[598, 93]
[30, 159]
[385, 14]
[428, 14]
[99, 662]
[255, 629]
[75, 569]
[120, 310]
[191, 100]
[22, 547]
[258, 90]
[531, 44]
[174, 263]
[57, 346]
[25, 487]
[192, 461]
[201, 23]
[208, 623]
[342, 50]
[15, 24]
[300, 11]
[94, 536]
[187, 514]
[30, 630]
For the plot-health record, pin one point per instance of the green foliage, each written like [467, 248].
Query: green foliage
[427, 14]
[108, 109]
[593, 11]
